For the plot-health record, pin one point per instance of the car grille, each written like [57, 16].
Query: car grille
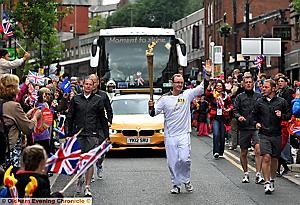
[135, 133]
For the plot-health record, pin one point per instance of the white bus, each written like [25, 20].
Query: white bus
[119, 54]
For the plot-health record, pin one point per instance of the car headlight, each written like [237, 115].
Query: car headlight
[161, 131]
[112, 131]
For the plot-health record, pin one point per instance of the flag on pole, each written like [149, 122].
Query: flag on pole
[88, 159]
[258, 61]
[6, 25]
[32, 94]
[65, 160]
[66, 85]
[35, 78]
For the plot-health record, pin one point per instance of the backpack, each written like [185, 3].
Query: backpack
[4, 140]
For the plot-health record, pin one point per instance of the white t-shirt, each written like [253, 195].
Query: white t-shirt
[177, 110]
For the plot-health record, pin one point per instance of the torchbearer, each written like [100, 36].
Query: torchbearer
[177, 128]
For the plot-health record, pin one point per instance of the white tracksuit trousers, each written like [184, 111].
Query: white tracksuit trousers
[178, 150]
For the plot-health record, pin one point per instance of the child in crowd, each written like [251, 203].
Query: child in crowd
[34, 164]
[3, 189]
[202, 116]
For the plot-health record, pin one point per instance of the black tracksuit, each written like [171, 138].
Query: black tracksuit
[264, 113]
[87, 114]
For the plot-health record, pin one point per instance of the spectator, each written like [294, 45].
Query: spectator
[4, 192]
[202, 116]
[34, 164]
[42, 134]
[6, 65]
[220, 112]
[287, 93]
[14, 118]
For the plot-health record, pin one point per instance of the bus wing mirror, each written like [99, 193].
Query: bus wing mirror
[95, 50]
[181, 52]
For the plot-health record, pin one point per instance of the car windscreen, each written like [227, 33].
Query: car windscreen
[130, 106]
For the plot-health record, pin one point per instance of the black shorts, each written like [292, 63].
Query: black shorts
[89, 142]
[270, 145]
[248, 136]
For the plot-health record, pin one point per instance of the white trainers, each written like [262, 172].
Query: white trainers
[92, 179]
[268, 188]
[87, 192]
[99, 172]
[272, 185]
[245, 179]
[175, 190]
[188, 187]
[79, 185]
[259, 180]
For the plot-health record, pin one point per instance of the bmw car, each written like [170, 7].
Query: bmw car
[132, 126]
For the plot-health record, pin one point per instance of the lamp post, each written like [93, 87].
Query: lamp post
[212, 44]
[225, 31]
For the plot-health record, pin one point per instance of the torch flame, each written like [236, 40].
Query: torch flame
[9, 179]
[31, 186]
[149, 51]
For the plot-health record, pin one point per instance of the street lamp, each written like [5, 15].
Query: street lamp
[212, 44]
[224, 31]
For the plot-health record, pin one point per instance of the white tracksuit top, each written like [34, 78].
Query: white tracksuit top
[177, 111]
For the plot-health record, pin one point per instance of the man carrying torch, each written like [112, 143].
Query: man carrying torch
[177, 126]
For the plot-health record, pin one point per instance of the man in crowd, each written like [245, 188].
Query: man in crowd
[268, 113]
[242, 108]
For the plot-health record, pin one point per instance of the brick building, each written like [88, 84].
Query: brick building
[263, 15]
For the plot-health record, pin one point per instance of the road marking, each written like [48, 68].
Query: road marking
[237, 159]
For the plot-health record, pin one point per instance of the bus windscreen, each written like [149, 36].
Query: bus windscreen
[126, 59]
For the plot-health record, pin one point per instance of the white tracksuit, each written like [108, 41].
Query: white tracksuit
[177, 128]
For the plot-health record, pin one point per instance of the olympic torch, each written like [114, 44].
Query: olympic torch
[149, 55]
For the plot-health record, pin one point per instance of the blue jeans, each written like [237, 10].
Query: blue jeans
[218, 135]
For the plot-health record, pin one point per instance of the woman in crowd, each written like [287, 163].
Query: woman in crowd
[220, 112]
[41, 135]
[15, 119]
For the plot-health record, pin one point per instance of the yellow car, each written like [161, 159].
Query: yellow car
[132, 126]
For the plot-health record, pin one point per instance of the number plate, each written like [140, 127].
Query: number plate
[134, 140]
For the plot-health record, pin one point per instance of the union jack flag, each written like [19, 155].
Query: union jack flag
[32, 94]
[6, 25]
[35, 78]
[65, 160]
[258, 61]
[89, 158]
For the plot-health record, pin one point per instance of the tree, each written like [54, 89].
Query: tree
[296, 4]
[192, 6]
[96, 23]
[35, 28]
[153, 13]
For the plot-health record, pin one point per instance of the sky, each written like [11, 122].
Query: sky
[105, 2]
